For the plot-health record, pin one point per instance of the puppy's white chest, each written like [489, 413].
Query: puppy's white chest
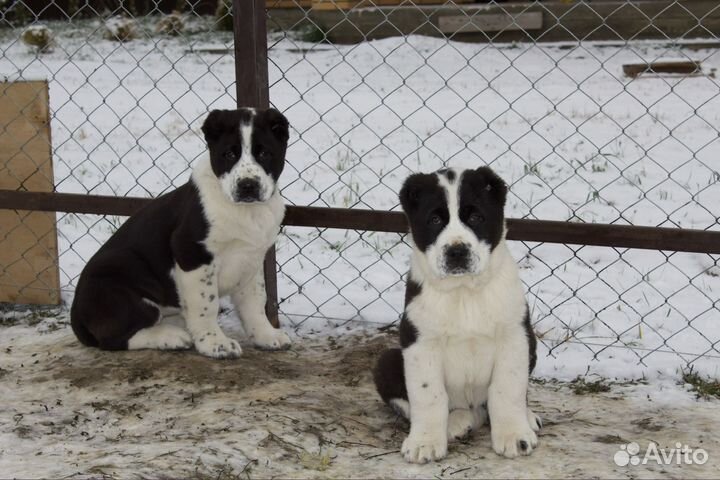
[447, 315]
[239, 238]
[237, 265]
[467, 366]
[239, 251]
[244, 227]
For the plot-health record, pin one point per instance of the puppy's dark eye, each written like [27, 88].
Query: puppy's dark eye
[475, 219]
[229, 155]
[264, 156]
[435, 220]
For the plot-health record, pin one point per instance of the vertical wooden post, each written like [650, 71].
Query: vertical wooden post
[251, 79]
[29, 269]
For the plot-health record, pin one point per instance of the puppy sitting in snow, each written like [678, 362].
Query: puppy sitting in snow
[189, 247]
[467, 344]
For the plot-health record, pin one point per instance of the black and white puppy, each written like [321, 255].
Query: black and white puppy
[187, 248]
[467, 344]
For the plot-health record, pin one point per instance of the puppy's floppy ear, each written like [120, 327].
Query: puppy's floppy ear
[279, 125]
[214, 124]
[494, 185]
[410, 191]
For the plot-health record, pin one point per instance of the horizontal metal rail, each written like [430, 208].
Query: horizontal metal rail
[574, 233]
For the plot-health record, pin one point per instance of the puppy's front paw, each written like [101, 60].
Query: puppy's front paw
[424, 447]
[273, 339]
[217, 345]
[511, 440]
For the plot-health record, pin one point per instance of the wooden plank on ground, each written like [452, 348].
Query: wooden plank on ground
[490, 22]
[350, 4]
[686, 67]
[29, 271]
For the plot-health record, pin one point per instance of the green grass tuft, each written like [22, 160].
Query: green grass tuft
[703, 387]
[580, 386]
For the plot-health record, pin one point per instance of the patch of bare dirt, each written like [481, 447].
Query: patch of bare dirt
[137, 368]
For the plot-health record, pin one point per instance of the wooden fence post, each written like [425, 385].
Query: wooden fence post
[251, 78]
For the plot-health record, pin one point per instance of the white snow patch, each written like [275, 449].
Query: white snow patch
[573, 137]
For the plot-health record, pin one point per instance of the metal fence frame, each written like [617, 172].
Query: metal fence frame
[251, 67]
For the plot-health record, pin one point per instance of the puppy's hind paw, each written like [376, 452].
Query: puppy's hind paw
[274, 339]
[534, 420]
[161, 337]
[460, 423]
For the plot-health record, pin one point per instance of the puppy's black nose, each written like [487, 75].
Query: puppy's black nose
[457, 257]
[457, 251]
[247, 190]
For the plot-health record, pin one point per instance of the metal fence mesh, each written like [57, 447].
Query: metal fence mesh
[575, 138]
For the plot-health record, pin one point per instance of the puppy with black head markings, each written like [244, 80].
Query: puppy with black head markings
[189, 247]
[467, 346]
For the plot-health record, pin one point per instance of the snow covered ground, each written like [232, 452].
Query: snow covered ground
[574, 139]
[310, 412]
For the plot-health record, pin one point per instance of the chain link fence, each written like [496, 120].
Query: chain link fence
[376, 92]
